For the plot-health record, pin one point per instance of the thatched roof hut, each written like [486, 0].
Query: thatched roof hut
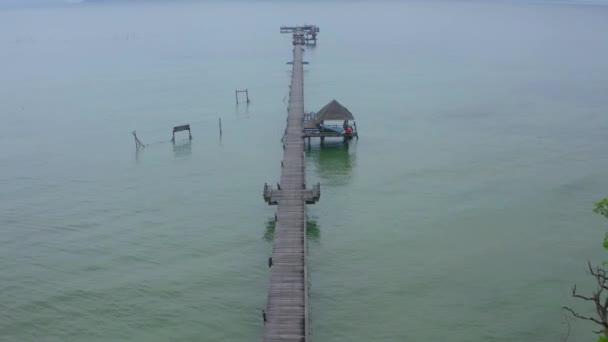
[333, 111]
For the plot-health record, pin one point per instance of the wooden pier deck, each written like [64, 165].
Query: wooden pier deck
[286, 314]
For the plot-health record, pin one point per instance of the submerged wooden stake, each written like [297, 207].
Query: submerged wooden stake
[138, 144]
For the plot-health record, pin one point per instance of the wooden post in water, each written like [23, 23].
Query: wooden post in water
[179, 129]
[138, 144]
[220, 127]
[236, 94]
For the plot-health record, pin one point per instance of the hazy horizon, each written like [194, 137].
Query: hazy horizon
[26, 3]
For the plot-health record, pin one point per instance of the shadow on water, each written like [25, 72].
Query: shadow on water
[183, 149]
[138, 153]
[242, 110]
[333, 161]
[313, 232]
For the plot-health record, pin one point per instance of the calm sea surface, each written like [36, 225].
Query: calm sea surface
[463, 212]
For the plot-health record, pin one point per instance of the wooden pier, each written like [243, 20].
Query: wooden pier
[286, 314]
[309, 32]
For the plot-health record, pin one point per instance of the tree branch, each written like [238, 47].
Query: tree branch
[576, 295]
[582, 317]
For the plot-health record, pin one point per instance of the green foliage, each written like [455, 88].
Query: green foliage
[601, 207]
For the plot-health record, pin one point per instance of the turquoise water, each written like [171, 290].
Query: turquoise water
[463, 212]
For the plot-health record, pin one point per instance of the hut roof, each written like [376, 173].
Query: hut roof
[334, 111]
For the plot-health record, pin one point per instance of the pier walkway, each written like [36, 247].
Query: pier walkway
[286, 314]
